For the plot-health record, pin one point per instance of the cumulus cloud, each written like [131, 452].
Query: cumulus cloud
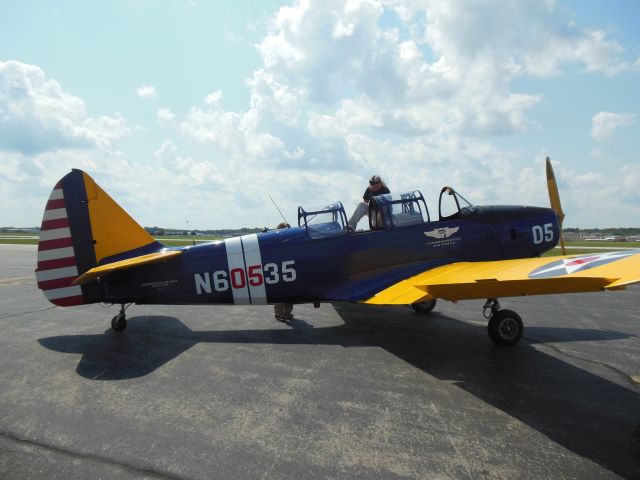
[332, 74]
[37, 115]
[254, 133]
[165, 115]
[146, 91]
[167, 152]
[44, 132]
[213, 97]
[526, 37]
[352, 115]
[605, 123]
[452, 72]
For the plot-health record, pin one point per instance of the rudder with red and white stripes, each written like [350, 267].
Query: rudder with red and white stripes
[66, 248]
[57, 266]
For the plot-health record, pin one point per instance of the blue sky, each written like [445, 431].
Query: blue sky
[193, 111]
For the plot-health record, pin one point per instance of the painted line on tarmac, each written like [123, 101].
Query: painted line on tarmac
[18, 280]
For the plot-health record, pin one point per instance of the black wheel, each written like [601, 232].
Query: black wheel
[424, 307]
[119, 322]
[505, 327]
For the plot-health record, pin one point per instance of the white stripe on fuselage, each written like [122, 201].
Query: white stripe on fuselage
[242, 254]
[253, 258]
[235, 260]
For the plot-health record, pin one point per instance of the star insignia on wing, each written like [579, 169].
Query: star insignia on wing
[567, 266]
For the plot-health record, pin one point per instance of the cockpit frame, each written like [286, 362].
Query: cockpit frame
[329, 221]
[389, 211]
[459, 200]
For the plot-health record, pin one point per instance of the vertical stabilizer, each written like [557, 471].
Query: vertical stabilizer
[83, 227]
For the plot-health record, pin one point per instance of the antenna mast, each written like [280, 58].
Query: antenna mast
[280, 211]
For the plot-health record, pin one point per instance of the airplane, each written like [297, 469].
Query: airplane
[90, 250]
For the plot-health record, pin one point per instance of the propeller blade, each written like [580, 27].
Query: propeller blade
[554, 198]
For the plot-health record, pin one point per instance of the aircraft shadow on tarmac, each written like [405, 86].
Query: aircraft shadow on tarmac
[585, 413]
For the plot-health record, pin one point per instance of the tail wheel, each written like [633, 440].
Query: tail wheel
[119, 322]
[505, 327]
[424, 307]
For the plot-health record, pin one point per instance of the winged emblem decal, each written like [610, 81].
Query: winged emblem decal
[441, 233]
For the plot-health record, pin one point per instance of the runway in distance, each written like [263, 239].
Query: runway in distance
[90, 250]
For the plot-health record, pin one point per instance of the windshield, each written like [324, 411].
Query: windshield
[330, 213]
[450, 204]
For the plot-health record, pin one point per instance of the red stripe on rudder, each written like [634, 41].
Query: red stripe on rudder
[53, 244]
[55, 224]
[58, 185]
[57, 263]
[68, 301]
[55, 204]
[56, 283]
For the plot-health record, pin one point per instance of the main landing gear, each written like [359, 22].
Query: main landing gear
[505, 326]
[119, 322]
[424, 307]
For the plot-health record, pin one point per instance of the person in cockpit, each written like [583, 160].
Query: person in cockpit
[376, 187]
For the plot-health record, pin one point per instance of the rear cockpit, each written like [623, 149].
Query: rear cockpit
[391, 211]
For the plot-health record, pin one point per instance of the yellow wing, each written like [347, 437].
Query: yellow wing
[511, 278]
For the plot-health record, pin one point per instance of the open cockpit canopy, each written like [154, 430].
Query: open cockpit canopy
[397, 210]
[386, 212]
[329, 221]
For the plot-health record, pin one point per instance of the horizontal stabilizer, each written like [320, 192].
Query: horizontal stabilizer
[103, 270]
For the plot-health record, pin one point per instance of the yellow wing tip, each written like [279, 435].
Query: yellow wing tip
[392, 297]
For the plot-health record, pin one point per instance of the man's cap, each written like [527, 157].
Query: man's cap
[375, 179]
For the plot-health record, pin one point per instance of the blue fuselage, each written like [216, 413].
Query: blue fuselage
[289, 265]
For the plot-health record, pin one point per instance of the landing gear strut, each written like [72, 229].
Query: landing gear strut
[505, 326]
[119, 322]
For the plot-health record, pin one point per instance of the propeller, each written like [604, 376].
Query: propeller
[554, 198]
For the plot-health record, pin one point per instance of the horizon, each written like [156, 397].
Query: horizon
[176, 229]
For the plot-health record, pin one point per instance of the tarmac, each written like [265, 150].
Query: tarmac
[343, 391]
